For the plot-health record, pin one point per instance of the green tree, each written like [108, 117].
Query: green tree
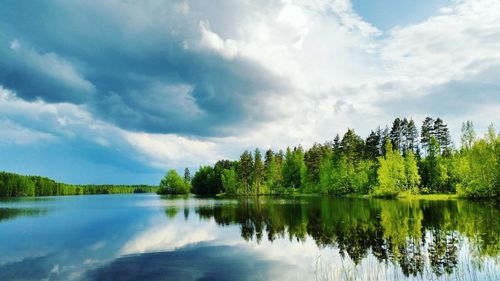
[245, 170]
[352, 146]
[482, 173]
[372, 145]
[412, 136]
[293, 168]
[442, 136]
[187, 175]
[272, 165]
[230, 181]
[426, 133]
[397, 134]
[203, 181]
[312, 161]
[173, 183]
[411, 171]
[258, 174]
[391, 174]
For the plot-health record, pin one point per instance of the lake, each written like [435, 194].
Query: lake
[148, 237]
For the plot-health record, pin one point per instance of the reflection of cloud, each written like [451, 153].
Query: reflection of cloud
[167, 237]
[97, 246]
[199, 262]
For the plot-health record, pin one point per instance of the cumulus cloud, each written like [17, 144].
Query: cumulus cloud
[129, 63]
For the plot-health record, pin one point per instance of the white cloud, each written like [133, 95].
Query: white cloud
[172, 151]
[56, 119]
[345, 73]
[228, 48]
[12, 133]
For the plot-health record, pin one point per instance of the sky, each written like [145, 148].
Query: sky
[121, 91]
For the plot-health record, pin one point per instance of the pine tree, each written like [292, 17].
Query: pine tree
[426, 133]
[412, 136]
[187, 175]
[372, 150]
[397, 134]
[404, 139]
[352, 146]
[385, 137]
[258, 172]
[294, 168]
[268, 158]
[245, 168]
[442, 135]
[312, 160]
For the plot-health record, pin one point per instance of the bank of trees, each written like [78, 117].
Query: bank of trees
[389, 161]
[14, 185]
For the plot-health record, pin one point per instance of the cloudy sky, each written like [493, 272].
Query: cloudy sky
[120, 91]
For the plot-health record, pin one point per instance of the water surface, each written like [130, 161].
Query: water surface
[148, 237]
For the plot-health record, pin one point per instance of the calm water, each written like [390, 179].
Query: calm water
[147, 237]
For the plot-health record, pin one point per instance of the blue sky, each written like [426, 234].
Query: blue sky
[386, 14]
[120, 91]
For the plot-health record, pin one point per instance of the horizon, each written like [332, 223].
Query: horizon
[120, 92]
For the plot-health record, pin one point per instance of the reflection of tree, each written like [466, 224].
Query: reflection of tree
[443, 251]
[402, 224]
[481, 224]
[399, 231]
[410, 257]
[171, 212]
[10, 213]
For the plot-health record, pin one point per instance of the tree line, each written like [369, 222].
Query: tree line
[14, 185]
[390, 161]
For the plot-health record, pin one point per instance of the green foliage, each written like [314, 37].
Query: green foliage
[411, 172]
[173, 183]
[187, 175]
[392, 177]
[350, 165]
[203, 181]
[245, 171]
[274, 175]
[312, 161]
[480, 168]
[294, 168]
[13, 185]
[230, 181]
[258, 174]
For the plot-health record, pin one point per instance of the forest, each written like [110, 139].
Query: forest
[14, 185]
[394, 161]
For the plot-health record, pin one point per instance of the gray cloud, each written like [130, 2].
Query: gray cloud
[453, 98]
[132, 64]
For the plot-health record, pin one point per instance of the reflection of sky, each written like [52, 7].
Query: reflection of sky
[130, 237]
